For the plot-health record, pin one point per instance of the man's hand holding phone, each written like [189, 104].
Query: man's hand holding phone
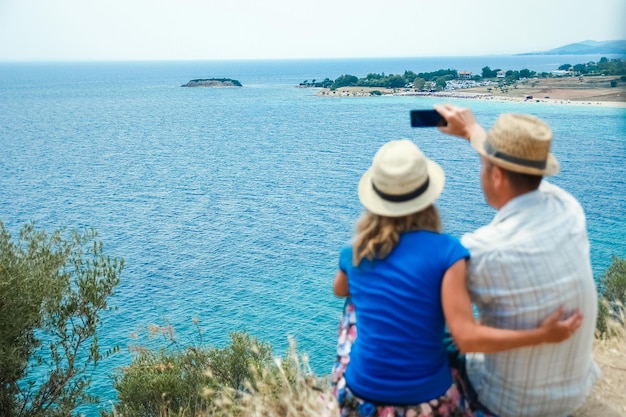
[460, 121]
[426, 118]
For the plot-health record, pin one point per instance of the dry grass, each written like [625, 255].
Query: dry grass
[590, 89]
[293, 391]
[607, 397]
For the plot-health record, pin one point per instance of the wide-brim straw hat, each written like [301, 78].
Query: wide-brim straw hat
[519, 143]
[400, 181]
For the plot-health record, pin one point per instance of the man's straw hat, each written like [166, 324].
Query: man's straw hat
[400, 181]
[519, 143]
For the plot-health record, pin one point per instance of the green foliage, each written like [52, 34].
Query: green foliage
[487, 72]
[526, 73]
[614, 281]
[395, 81]
[512, 76]
[418, 83]
[375, 77]
[200, 382]
[52, 293]
[432, 76]
[440, 83]
[234, 364]
[221, 80]
[327, 83]
[611, 305]
[344, 81]
[580, 68]
[602, 325]
[191, 379]
[158, 381]
[382, 80]
[616, 66]
[410, 76]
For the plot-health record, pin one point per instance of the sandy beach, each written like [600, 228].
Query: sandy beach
[592, 91]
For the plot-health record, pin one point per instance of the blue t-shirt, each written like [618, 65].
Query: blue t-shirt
[398, 356]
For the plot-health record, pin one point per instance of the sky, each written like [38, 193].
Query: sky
[137, 30]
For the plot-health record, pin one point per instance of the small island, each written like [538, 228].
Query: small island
[213, 82]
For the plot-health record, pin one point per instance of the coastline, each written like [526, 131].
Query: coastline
[591, 91]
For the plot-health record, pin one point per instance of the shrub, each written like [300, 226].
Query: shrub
[602, 324]
[234, 365]
[613, 83]
[52, 292]
[158, 382]
[614, 281]
[613, 299]
[240, 379]
[345, 80]
[188, 380]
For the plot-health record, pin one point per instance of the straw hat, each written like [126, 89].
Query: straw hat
[400, 181]
[519, 143]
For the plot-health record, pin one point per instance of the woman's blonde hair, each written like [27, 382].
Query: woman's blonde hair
[376, 235]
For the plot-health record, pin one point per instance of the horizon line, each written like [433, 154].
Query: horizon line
[148, 60]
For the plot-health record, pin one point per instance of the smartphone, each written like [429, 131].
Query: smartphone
[426, 118]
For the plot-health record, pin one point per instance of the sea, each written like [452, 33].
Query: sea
[229, 205]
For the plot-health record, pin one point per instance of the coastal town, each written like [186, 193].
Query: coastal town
[603, 83]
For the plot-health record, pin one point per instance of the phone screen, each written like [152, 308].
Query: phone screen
[426, 118]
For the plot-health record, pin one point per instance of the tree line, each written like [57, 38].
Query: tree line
[602, 67]
[438, 79]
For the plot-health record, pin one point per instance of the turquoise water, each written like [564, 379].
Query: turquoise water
[230, 205]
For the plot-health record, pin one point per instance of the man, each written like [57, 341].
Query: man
[530, 260]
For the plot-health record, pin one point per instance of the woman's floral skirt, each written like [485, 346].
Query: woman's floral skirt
[449, 404]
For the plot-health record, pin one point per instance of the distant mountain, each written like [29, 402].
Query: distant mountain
[586, 48]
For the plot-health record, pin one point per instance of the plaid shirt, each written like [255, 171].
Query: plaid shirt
[531, 259]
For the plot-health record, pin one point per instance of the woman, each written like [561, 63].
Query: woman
[405, 278]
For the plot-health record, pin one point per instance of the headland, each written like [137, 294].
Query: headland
[596, 91]
[591, 83]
